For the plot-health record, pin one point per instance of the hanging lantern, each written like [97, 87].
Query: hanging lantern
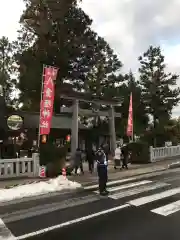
[68, 138]
[44, 139]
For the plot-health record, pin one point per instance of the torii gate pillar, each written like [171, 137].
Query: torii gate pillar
[74, 128]
[112, 129]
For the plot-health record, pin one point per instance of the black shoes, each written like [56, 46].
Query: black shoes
[105, 193]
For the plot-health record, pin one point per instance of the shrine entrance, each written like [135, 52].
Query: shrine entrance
[75, 110]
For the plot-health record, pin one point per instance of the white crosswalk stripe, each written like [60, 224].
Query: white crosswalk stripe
[91, 187]
[138, 190]
[167, 209]
[130, 185]
[154, 197]
[132, 189]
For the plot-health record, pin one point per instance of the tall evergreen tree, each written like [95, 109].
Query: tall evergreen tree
[140, 118]
[55, 7]
[159, 87]
[7, 68]
[67, 43]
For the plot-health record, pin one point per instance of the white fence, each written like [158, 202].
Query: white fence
[157, 154]
[19, 167]
[29, 167]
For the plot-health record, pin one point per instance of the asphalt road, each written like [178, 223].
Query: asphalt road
[145, 207]
[127, 224]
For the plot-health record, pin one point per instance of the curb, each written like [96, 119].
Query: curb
[174, 165]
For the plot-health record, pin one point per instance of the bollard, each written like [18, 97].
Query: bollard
[42, 171]
[64, 172]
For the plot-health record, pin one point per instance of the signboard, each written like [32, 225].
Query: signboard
[168, 144]
[15, 122]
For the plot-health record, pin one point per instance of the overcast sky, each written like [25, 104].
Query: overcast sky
[130, 26]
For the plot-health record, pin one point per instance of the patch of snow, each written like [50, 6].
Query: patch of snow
[35, 189]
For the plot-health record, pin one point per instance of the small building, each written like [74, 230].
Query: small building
[26, 124]
[60, 127]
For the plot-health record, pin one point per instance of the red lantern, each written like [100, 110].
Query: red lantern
[68, 138]
[44, 138]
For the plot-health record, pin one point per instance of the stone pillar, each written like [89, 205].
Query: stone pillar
[151, 155]
[112, 129]
[36, 164]
[74, 128]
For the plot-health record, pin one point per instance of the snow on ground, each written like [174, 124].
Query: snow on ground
[29, 190]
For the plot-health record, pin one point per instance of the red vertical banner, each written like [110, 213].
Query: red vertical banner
[130, 119]
[47, 102]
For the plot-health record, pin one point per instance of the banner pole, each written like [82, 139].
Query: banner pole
[42, 82]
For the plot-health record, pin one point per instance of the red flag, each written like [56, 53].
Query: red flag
[46, 107]
[130, 119]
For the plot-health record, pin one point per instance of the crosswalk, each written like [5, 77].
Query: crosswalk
[139, 193]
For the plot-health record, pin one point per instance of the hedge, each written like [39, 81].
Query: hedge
[53, 157]
[139, 152]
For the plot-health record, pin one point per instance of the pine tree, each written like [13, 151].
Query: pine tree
[7, 68]
[67, 43]
[140, 118]
[160, 93]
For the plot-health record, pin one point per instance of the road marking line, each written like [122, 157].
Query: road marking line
[148, 199]
[111, 183]
[48, 208]
[129, 185]
[5, 233]
[77, 220]
[167, 209]
[135, 191]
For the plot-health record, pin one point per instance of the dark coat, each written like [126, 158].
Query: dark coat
[90, 155]
[124, 151]
[77, 158]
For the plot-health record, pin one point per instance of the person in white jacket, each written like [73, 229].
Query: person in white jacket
[117, 156]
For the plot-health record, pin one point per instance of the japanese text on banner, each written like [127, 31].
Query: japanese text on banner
[46, 107]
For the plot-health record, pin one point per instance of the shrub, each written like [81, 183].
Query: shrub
[139, 152]
[53, 158]
[47, 153]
